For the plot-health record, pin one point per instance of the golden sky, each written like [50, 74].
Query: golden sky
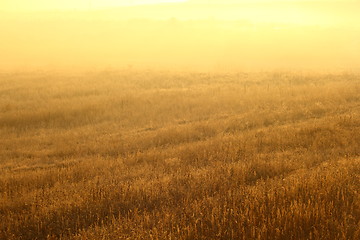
[263, 35]
[72, 4]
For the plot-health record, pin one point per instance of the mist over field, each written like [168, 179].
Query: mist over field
[185, 120]
[193, 35]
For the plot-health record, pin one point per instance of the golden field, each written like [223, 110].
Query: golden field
[175, 155]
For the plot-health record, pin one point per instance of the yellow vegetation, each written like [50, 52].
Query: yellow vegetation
[165, 155]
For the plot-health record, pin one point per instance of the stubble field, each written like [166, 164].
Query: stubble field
[172, 155]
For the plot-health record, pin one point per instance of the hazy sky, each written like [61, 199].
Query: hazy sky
[71, 4]
[250, 36]
[22, 5]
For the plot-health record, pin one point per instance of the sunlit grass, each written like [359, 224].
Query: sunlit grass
[160, 155]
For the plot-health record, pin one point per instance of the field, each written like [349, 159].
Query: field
[174, 155]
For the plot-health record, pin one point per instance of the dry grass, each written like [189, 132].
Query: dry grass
[159, 155]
